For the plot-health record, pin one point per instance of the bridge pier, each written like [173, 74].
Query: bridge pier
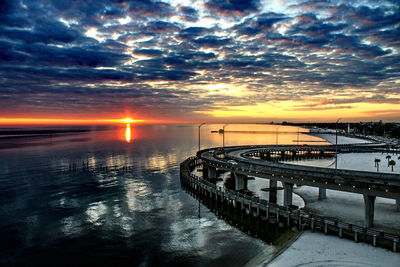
[287, 194]
[322, 193]
[369, 202]
[209, 172]
[240, 181]
[273, 186]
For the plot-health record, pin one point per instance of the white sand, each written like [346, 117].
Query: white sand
[317, 249]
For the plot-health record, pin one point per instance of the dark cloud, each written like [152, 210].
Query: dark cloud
[47, 32]
[212, 41]
[232, 7]
[259, 24]
[95, 56]
[148, 52]
[192, 32]
[147, 8]
[188, 13]
[55, 50]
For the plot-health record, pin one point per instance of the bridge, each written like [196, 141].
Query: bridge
[266, 212]
[261, 161]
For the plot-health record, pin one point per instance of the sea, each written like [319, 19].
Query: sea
[84, 196]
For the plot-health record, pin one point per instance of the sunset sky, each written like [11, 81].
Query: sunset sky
[191, 61]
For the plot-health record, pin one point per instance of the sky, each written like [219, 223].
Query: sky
[194, 61]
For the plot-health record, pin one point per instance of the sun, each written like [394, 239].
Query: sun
[127, 120]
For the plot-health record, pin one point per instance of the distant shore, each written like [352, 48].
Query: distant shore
[18, 137]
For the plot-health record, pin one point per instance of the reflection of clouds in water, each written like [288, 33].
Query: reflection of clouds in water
[31, 223]
[186, 235]
[190, 232]
[195, 234]
[139, 188]
[169, 178]
[135, 193]
[70, 226]
[66, 202]
[107, 179]
[121, 206]
[124, 222]
[95, 213]
[92, 160]
[119, 160]
[161, 161]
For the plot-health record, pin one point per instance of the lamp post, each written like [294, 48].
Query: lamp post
[298, 133]
[199, 150]
[277, 134]
[199, 133]
[223, 135]
[336, 141]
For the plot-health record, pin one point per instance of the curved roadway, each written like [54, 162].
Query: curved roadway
[369, 183]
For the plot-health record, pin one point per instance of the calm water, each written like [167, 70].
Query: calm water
[51, 216]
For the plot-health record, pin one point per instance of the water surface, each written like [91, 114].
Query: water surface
[101, 197]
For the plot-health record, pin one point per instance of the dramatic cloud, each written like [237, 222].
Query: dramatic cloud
[184, 60]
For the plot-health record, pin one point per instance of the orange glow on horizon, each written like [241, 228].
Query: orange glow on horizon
[62, 121]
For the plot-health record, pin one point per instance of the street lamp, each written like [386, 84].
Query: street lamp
[199, 133]
[223, 135]
[336, 141]
[298, 133]
[277, 134]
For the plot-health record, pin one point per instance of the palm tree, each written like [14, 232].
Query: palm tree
[388, 157]
[392, 163]
[377, 164]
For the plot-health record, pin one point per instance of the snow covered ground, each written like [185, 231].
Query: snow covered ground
[349, 207]
[317, 249]
[331, 138]
[346, 206]
[366, 162]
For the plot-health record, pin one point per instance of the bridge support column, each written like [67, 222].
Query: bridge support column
[369, 202]
[205, 171]
[240, 181]
[287, 194]
[209, 172]
[398, 204]
[212, 172]
[273, 184]
[322, 193]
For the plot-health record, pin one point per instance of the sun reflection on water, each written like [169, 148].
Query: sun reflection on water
[128, 134]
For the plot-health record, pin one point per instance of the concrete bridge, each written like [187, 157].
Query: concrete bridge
[245, 161]
[266, 212]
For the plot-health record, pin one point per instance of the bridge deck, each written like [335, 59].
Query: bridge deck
[370, 183]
